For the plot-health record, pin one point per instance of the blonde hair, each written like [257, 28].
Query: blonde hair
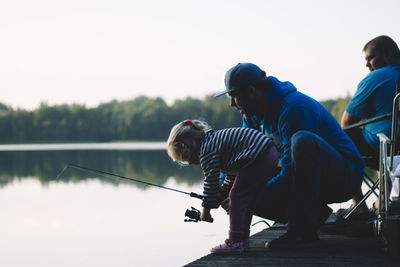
[185, 139]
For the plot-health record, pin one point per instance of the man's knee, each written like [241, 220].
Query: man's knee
[302, 142]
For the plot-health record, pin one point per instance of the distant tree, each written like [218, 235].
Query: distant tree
[5, 108]
[5, 122]
[340, 106]
[141, 118]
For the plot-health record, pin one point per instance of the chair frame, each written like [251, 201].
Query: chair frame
[386, 168]
[372, 185]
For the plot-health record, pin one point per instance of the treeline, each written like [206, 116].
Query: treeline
[142, 118]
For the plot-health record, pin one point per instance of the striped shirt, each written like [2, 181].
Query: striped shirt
[226, 150]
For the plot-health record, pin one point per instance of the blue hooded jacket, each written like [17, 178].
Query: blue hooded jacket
[290, 111]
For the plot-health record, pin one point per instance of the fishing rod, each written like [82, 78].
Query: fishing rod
[193, 214]
[192, 194]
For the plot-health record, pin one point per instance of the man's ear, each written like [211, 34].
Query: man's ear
[388, 59]
[250, 91]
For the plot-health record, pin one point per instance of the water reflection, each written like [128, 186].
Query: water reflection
[150, 166]
[90, 220]
[95, 221]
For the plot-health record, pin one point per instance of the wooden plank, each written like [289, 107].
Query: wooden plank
[334, 250]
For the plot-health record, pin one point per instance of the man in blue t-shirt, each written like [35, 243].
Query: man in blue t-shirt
[374, 97]
[320, 164]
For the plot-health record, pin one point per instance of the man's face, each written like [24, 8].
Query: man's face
[242, 101]
[374, 58]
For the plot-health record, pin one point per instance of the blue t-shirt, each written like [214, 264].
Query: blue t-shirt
[374, 97]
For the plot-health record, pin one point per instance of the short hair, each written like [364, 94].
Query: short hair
[185, 139]
[386, 46]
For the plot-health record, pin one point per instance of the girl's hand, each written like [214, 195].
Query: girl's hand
[225, 205]
[206, 215]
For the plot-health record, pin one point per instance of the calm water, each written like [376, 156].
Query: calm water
[83, 219]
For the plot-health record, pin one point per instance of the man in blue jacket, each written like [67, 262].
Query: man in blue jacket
[320, 164]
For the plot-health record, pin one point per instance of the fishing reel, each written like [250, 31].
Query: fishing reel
[194, 215]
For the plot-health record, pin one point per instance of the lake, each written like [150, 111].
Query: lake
[84, 219]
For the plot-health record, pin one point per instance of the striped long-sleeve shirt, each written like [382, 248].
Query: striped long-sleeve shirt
[226, 150]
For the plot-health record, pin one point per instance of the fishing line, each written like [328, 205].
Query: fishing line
[104, 173]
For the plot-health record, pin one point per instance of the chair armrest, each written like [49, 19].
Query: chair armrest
[383, 138]
[364, 122]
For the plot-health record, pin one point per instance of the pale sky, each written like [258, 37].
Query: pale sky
[93, 51]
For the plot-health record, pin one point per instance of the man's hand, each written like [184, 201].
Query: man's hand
[206, 215]
[348, 120]
[225, 205]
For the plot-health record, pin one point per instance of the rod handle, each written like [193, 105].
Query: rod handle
[192, 194]
[210, 221]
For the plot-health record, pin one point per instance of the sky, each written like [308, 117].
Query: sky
[93, 51]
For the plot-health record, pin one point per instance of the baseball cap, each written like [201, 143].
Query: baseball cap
[240, 76]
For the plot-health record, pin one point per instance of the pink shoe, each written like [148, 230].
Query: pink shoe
[231, 248]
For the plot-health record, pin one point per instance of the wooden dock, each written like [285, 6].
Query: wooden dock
[334, 250]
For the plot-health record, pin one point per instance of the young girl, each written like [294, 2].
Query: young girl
[247, 157]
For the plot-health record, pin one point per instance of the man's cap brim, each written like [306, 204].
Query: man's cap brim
[221, 93]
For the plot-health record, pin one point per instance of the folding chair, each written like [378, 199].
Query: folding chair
[387, 225]
[386, 165]
[374, 186]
